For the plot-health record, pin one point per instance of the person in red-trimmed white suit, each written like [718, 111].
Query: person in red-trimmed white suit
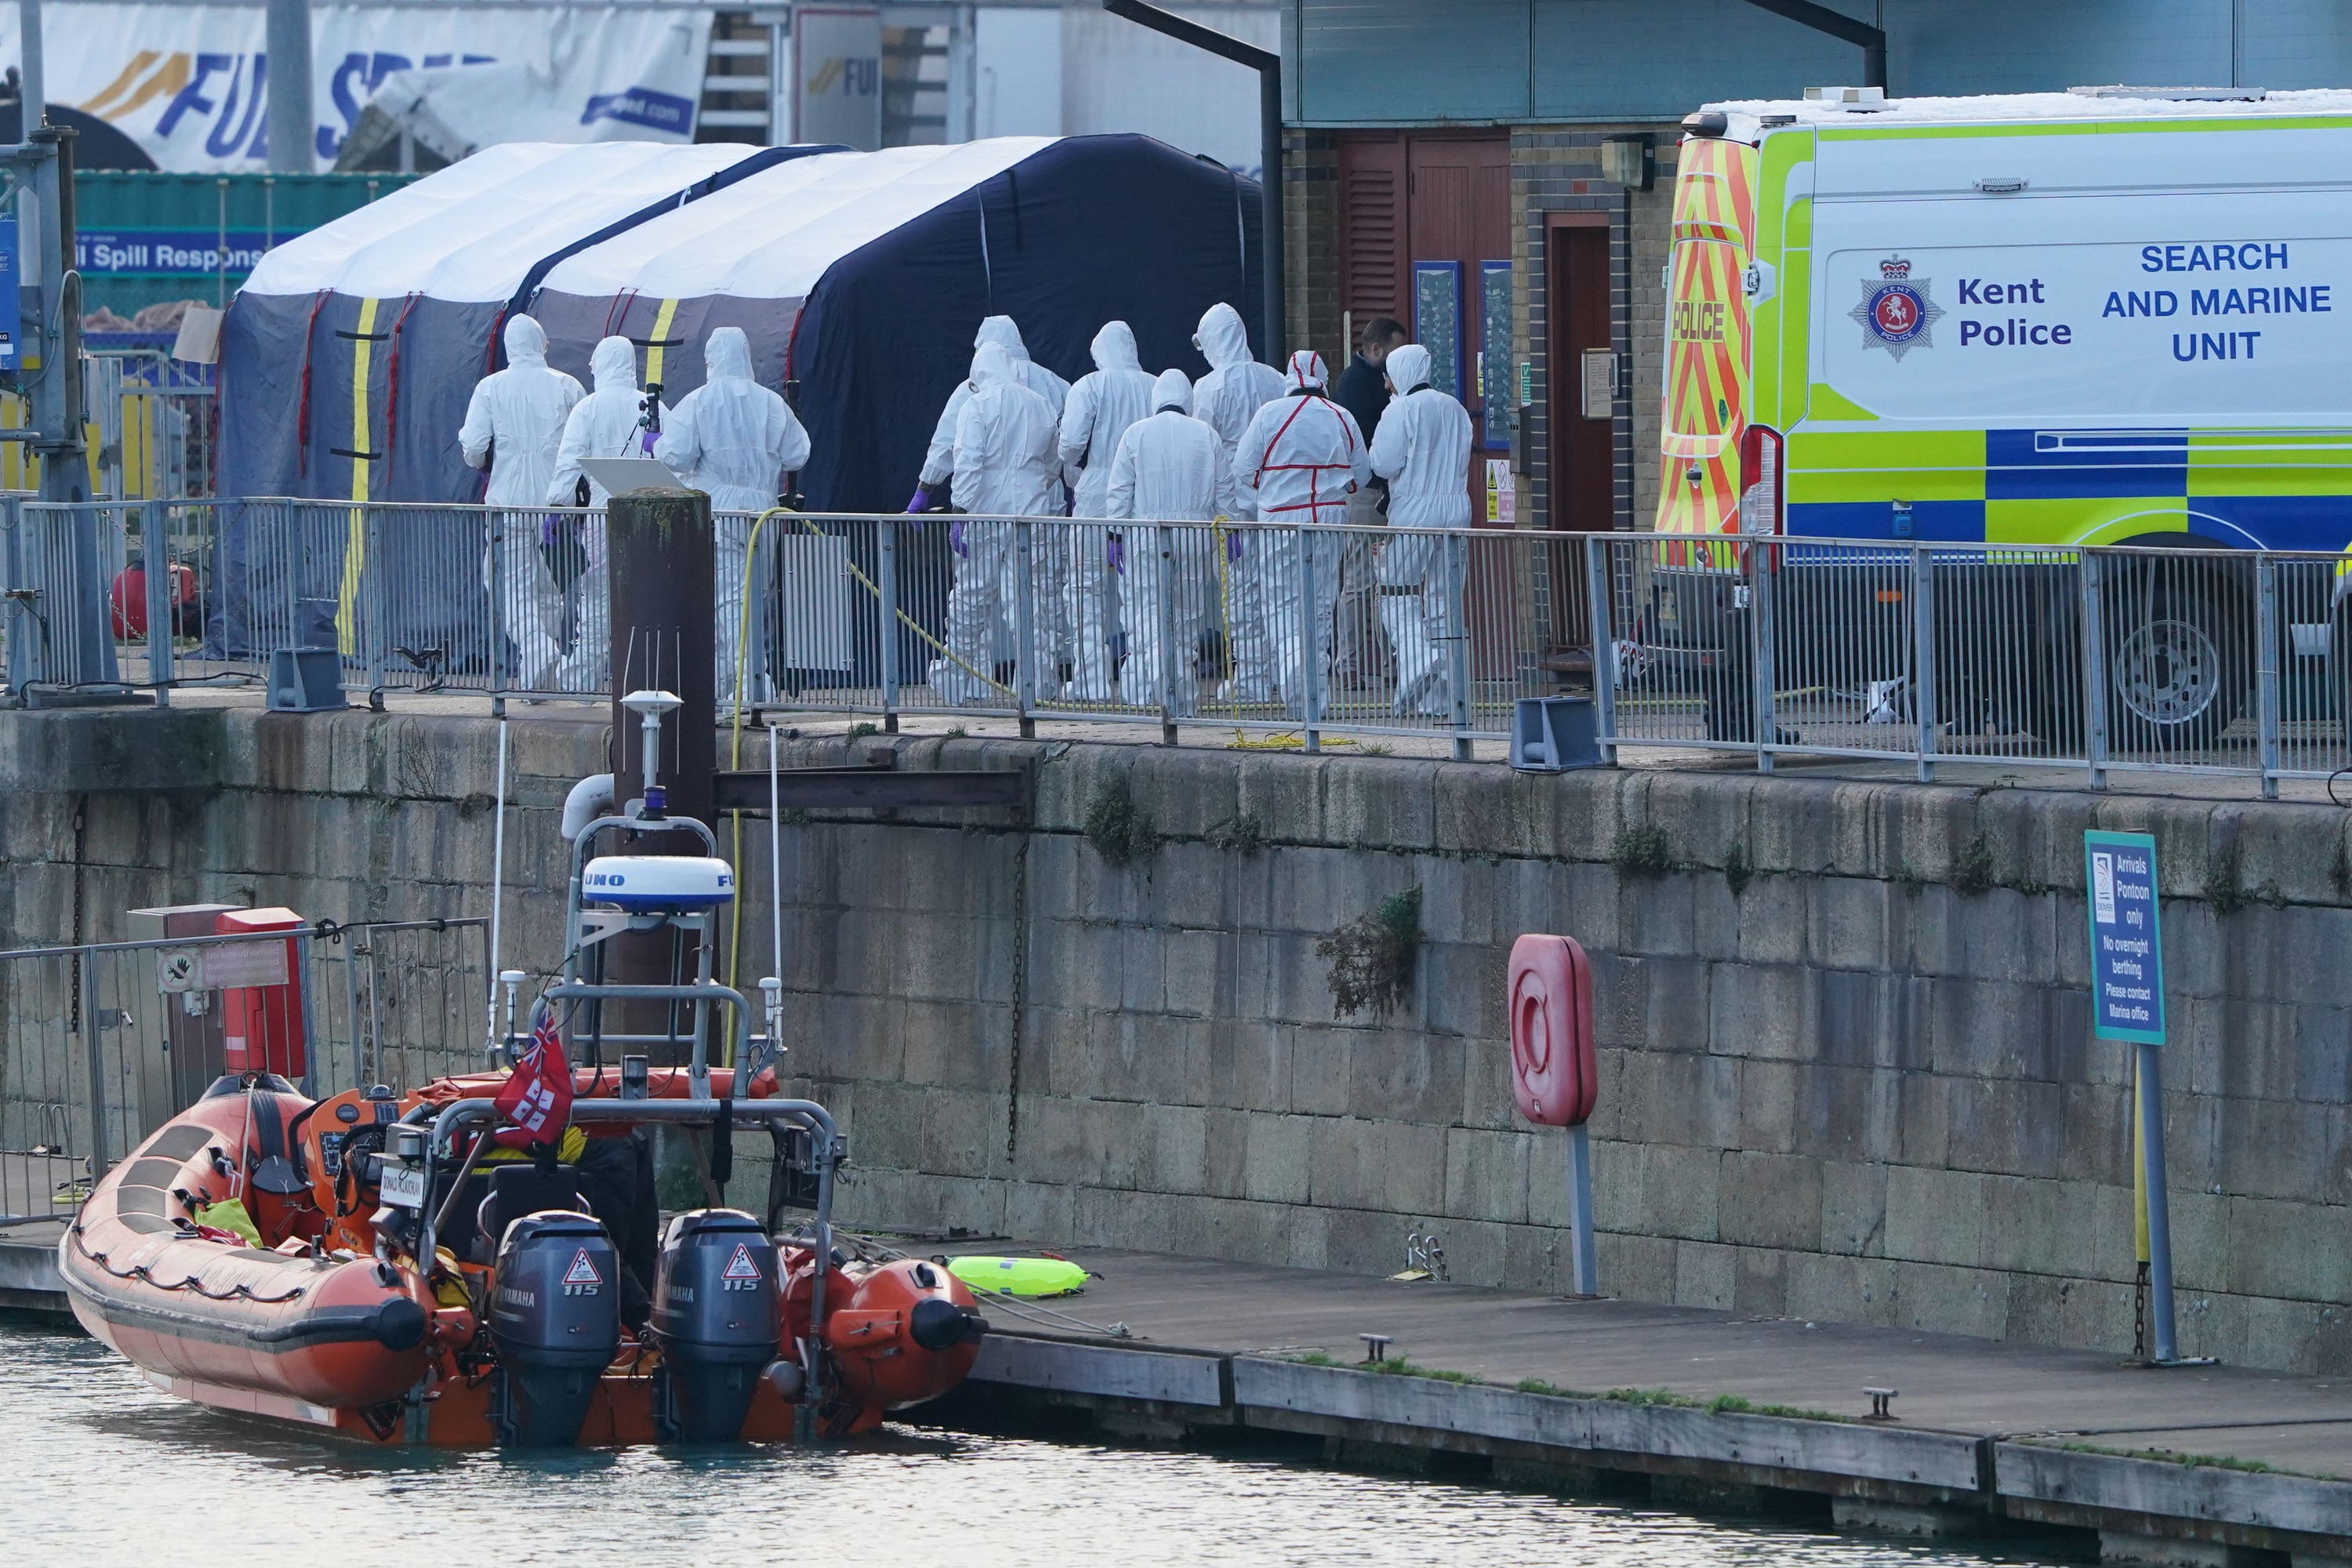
[1297, 461]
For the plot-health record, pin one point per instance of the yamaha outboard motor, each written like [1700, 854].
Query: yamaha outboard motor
[715, 1319]
[555, 1322]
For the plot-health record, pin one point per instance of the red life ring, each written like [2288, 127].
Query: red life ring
[1555, 1075]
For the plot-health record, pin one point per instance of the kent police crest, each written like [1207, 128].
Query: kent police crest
[1896, 312]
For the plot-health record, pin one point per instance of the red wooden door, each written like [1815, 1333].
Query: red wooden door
[1407, 198]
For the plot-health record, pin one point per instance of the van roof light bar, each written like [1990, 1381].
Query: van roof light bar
[1852, 99]
[2178, 94]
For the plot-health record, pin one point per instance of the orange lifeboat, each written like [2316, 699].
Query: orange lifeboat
[323, 1317]
[278, 1330]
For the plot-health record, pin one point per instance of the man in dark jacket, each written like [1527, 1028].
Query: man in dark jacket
[1359, 389]
[1358, 655]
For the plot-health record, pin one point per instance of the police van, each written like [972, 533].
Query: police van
[2106, 316]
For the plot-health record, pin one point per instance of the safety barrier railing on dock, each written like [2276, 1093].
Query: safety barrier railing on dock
[101, 1043]
[2096, 659]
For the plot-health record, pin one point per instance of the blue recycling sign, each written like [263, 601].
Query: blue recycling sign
[2126, 952]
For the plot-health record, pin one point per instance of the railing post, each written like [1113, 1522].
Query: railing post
[2095, 674]
[1760, 622]
[93, 1042]
[887, 569]
[1923, 657]
[370, 602]
[163, 598]
[1310, 654]
[1457, 627]
[2266, 669]
[1163, 541]
[494, 574]
[1598, 604]
[1024, 627]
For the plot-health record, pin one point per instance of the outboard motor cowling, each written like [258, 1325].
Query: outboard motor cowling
[555, 1323]
[715, 1319]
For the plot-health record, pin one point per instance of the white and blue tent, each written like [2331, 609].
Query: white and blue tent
[860, 278]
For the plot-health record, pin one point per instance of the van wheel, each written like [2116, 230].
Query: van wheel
[2177, 660]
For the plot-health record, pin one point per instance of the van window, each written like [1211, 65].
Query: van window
[1706, 339]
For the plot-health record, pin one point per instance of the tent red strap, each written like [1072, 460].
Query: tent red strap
[618, 311]
[392, 377]
[302, 397]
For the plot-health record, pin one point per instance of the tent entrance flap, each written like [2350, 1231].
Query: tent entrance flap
[362, 453]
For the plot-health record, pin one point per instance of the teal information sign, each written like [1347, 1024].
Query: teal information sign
[1437, 320]
[2126, 952]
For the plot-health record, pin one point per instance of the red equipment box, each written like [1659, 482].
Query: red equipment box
[261, 1018]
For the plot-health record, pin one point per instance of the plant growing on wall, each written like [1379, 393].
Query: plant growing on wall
[1121, 831]
[1372, 957]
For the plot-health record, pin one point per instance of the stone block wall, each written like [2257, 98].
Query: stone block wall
[1845, 1028]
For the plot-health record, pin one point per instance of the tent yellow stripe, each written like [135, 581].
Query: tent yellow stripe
[355, 545]
[662, 318]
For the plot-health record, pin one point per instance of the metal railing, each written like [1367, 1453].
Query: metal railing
[2092, 660]
[101, 1043]
[1262, 626]
[2100, 659]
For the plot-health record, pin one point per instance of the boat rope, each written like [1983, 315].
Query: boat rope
[1047, 1318]
[868, 1249]
[139, 1272]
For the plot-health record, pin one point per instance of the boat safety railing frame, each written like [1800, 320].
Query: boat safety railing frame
[101, 1043]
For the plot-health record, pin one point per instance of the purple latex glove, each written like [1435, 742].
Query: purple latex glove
[1117, 554]
[922, 500]
[956, 540]
[1233, 546]
[649, 438]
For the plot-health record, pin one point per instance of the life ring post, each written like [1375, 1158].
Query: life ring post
[1555, 1072]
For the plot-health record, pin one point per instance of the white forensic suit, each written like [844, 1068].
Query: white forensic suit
[1235, 389]
[938, 458]
[734, 440]
[1298, 461]
[1101, 405]
[939, 461]
[610, 422]
[1006, 464]
[513, 423]
[1422, 449]
[1170, 469]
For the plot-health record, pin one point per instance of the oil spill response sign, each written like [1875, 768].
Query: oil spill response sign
[2126, 954]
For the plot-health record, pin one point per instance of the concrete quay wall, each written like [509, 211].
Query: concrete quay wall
[1847, 1065]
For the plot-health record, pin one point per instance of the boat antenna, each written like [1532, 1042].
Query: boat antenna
[776, 863]
[498, 895]
[771, 988]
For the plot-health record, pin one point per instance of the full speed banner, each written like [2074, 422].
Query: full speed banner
[189, 83]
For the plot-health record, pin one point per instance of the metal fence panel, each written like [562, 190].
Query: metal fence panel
[2095, 659]
[102, 1043]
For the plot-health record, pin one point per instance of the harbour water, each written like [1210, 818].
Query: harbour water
[98, 1468]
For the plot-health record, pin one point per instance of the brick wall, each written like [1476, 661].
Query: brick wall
[1311, 253]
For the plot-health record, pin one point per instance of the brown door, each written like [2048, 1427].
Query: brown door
[1583, 456]
[1580, 406]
